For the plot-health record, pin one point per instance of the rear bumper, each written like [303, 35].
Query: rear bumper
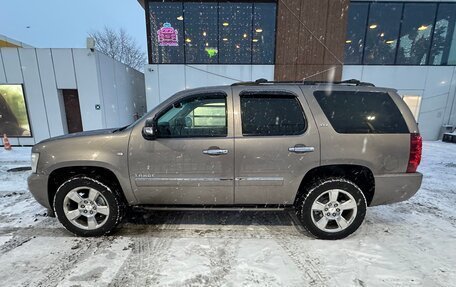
[391, 188]
[37, 184]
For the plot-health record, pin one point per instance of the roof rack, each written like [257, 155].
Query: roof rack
[346, 82]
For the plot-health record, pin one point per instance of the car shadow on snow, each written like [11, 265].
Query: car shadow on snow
[204, 222]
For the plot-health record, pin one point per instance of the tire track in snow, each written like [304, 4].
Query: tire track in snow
[20, 235]
[54, 273]
[149, 251]
[302, 259]
[221, 262]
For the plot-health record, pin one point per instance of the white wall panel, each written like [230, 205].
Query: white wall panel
[64, 68]
[262, 71]
[398, 77]
[438, 80]
[234, 73]
[12, 64]
[352, 72]
[152, 86]
[88, 89]
[171, 80]
[197, 76]
[2, 71]
[51, 96]
[451, 116]
[108, 89]
[125, 90]
[34, 95]
[430, 124]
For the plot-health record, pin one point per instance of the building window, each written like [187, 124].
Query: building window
[235, 39]
[263, 39]
[201, 33]
[382, 33]
[443, 51]
[354, 44]
[14, 120]
[396, 33]
[212, 32]
[416, 30]
[166, 21]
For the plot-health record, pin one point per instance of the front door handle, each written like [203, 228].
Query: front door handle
[301, 149]
[215, 151]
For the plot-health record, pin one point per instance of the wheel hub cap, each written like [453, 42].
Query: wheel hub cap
[86, 208]
[334, 210]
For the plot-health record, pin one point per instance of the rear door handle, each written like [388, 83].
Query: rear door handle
[301, 149]
[215, 151]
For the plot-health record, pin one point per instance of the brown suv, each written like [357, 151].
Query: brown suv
[327, 149]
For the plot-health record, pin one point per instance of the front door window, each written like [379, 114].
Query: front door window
[200, 116]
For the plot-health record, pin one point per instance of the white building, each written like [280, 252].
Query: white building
[64, 91]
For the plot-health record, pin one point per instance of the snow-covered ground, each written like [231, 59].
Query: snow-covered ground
[406, 244]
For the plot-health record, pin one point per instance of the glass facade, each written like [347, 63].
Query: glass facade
[212, 32]
[396, 33]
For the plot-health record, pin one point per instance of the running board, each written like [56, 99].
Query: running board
[212, 208]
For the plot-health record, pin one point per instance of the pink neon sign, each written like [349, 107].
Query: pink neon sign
[167, 35]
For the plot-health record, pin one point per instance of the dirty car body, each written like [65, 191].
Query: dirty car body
[244, 145]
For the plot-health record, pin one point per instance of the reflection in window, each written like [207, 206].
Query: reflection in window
[14, 120]
[201, 35]
[235, 26]
[382, 33]
[166, 23]
[443, 51]
[263, 33]
[354, 44]
[416, 31]
[199, 116]
[212, 114]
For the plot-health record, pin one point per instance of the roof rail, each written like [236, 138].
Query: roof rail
[346, 82]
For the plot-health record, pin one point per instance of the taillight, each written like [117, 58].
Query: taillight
[416, 145]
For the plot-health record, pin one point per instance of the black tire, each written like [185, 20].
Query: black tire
[317, 189]
[110, 197]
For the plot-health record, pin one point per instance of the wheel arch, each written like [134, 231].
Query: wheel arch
[58, 176]
[360, 175]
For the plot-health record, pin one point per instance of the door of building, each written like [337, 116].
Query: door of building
[72, 110]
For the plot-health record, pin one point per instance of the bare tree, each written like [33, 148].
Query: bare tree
[120, 46]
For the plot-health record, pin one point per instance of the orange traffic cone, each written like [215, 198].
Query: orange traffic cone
[6, 143]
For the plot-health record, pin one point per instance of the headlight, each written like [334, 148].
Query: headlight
[35, 157]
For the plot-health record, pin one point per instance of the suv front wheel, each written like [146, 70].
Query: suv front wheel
[87, 207]
[332, 208]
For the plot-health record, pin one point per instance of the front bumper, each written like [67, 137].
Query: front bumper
[391, 188]
[37, 184]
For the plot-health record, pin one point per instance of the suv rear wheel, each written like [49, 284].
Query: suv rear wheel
[332, 208]
[87, 207]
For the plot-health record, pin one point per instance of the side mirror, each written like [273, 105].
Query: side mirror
[148, 130]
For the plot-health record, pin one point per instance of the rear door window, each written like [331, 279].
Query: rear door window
[353, 112]
[271, 115]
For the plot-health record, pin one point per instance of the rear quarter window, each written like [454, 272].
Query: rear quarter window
[352, 112]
